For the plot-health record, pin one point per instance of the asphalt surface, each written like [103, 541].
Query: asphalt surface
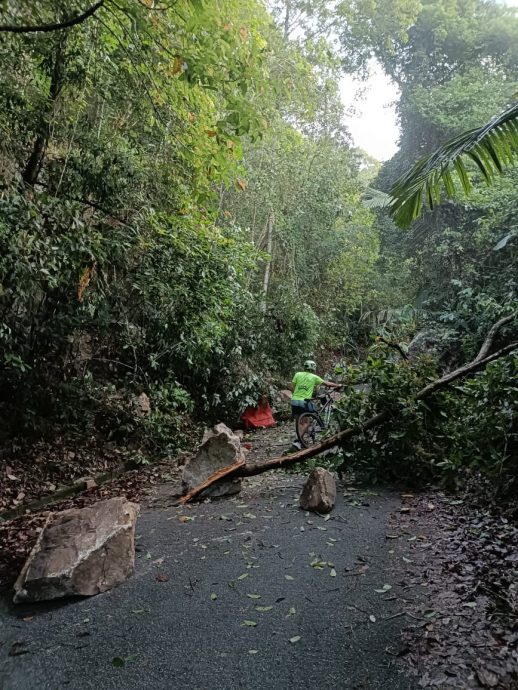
[179, 622]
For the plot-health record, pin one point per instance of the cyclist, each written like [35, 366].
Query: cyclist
[304, 384]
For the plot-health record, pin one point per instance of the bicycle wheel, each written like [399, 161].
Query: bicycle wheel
[308, 429]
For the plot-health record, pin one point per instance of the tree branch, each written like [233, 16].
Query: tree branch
[395, 346]
[462, 371]
[86, 202]
[214, 477]
[486, 346]
[58, 26]
[249, 470]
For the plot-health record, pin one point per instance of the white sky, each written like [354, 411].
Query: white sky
[373, 124]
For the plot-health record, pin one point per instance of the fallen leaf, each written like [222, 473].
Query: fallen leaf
[162, 578]
[487, 678]
[384, 589]
[253, 651]
[262, 609]
[332, 572]
[243, 576]
[18, 648]
[118, 662]
[294, 639]
[372, 618]
[253, 596]
[251, 624]
[213, 596]
[289, 577]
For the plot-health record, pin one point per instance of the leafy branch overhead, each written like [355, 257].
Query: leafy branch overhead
[53, 26]
[491, 147]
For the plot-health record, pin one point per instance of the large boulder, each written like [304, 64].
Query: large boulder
[285, 395]
[219, 448]
[319, 492]
[80, 552]
[424, 342]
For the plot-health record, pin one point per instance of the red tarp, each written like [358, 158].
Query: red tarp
[260, 416]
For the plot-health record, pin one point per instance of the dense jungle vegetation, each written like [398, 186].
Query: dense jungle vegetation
[183, 213]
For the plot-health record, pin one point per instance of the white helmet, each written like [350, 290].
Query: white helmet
[310, 365]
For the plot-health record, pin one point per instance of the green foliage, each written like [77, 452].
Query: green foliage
[479, 428]
[451, 437]
[490, 147]
[133, 237]
[323, 243]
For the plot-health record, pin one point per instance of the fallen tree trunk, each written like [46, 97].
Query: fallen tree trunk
[249, 470]
[214, 477]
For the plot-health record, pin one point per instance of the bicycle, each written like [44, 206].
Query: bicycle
[318, 422]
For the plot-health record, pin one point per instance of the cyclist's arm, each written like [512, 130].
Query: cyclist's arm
[330, 384]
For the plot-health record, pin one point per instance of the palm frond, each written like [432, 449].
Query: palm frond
[491, 147]
[374, 198]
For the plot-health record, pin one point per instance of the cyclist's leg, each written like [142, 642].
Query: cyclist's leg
[304, 423]
[297, 408]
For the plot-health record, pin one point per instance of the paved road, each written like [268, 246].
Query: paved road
[175, 634]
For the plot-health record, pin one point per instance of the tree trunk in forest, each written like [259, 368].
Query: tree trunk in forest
[267, 267]
[287, 20]
[34, 164]
[250, 470]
